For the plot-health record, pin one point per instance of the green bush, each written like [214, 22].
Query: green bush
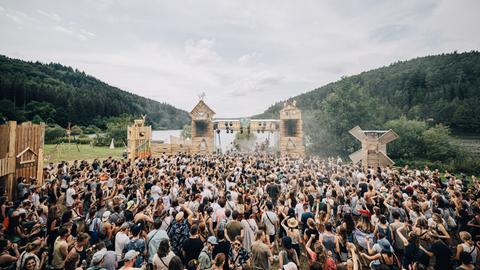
[418, 141]
[91, 129]
[410, 145]
[438, 145]
[54, 133]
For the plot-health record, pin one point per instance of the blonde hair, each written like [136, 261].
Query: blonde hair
[466, 237]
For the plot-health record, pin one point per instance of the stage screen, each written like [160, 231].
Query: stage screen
[290, 127]
[201, 128]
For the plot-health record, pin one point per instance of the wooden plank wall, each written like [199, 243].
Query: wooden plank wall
[4, 140]
[28, 135]
[7, 166]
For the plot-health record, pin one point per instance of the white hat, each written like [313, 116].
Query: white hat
[130, 255]
[106, 215]
[179, 216]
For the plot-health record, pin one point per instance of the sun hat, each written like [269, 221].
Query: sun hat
[292, 222]
[106, 215]
[179, 216]
[130, 204]
[130, 255]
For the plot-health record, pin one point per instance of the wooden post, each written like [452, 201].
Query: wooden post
[40, 155]
[12, 127]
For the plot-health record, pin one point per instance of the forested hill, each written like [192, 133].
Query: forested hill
[445, 88]
[60, 94]
[441, 89]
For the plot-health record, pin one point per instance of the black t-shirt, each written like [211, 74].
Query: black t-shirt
[442, 255]
[310, 231]
[192, 248]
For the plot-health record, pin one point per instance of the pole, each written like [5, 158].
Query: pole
[69, 132]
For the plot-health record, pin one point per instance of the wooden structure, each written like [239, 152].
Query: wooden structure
[291, 130]
[139, 139]
[175, 146]
[202, 129]
[21, 155]
[374, 147]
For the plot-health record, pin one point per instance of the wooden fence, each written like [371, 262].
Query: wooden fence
[21, 154]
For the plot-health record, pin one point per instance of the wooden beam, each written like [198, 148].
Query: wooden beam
[12, 128]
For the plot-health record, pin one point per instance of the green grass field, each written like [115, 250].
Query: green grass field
[65, 152]
[470, 142]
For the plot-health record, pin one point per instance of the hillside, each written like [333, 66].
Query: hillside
[442, 89]
[56, 93]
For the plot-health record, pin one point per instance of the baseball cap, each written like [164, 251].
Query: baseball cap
[212, 240]
[98, 256]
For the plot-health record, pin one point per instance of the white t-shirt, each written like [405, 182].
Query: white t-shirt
[121, 239]
[166, 201]
[270, 221]
[299, 210]
[234, 195]
[69, 195]
[156, 192]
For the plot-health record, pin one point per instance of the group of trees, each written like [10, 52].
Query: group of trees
[53, 93]
[116, 129]
[422, 100]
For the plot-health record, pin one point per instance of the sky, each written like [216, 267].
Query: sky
[244, 55]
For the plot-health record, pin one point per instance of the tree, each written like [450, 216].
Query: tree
[53, 133]
[117, 128]
[43, 110]
[37, 119]
[411, 143]
[187, 132]
[8, 110]
[438, 144]
[341, 110]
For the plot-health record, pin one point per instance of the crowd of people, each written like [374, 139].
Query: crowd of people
[240, 211]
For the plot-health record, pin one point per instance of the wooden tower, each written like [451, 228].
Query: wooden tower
[21, 155]
[202, 129]
[291, 130]
[374, 147]
[139, 139]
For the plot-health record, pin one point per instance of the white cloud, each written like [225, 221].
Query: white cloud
[63, 30]
[245, 55]
[82, 35]
[249, 58]
[51, 16]
[201, 51]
